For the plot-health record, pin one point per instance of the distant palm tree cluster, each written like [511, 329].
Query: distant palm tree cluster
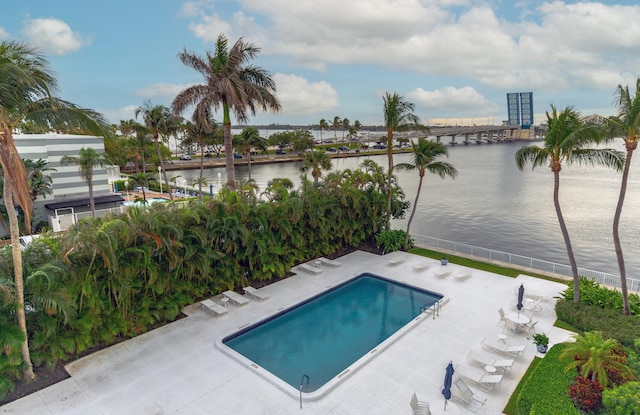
[339, 124]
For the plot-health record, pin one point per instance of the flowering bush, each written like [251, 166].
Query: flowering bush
[585, 394]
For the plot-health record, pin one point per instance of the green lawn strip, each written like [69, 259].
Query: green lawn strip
[543, 389]
[483, 266]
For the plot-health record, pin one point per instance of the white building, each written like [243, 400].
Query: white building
[70, 197]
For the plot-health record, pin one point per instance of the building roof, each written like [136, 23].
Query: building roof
[83, 201]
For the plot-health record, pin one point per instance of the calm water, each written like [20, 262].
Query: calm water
[323, 337]
[494, 205]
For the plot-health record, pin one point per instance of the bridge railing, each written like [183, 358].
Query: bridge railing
[611, 280]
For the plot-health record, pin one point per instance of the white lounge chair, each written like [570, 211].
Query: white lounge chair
[236, 298]
[484, 380]
[442, 273]
[214, 308]
[419, 407]
[330, 262]
[462, 393]
[483, 360]
[255, 293]
[395, 261]
[421, 266]
[495, 345]
[461, 275]
[310, 269]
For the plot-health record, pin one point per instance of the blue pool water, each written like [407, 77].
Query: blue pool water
[322, 337]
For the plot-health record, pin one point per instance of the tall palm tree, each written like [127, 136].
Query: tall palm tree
[424, 156]
[337, 123]
[316, 161]
[567, 136]
[26, 87]
[157, 119]
[398, 116]
[39, 182]
[627, 124]
[324, 125]
[203, 132]
[249, 138]
[345, 126]
[592, 356]
[87, 159]
[231, 83]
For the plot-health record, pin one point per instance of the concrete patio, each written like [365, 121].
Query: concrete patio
[177, 369]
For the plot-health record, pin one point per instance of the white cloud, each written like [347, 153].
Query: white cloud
[54, 36]
[4, 34]
[161, 90]
[299, 96]
[460, 101]
[116, 115]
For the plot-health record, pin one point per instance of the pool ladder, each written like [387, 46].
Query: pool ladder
[434, 308]
[301, 385]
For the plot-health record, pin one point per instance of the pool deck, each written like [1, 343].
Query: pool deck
[177, 369]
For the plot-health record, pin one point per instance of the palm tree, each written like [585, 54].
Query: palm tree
[39, 183]
[203, 132]
[249, 138]
[627, 124]
[424, 155]
[231, 83]
[26, 88]
[157, 119]
[398, 116]
[87, 159]
[567, 136]
[593, 355]
[316, 161]
[345, 126]
[324, 125]
[337, 123]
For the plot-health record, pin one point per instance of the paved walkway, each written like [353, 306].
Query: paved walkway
[177, 369]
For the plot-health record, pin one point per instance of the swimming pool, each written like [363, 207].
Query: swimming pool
[329, 336]
[150, 201]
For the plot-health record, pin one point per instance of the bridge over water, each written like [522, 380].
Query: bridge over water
[469, 134]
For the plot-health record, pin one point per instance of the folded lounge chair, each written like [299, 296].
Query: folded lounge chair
[212, 307]
[310, 269]
[481, 359]
[250, 291]
[419, 407]
[421, 266]
[330, 262]
[461, 275]
[442, 273]
[395, 261]
[484, 380]
[495, 345]
[462, 393]
[236, 298]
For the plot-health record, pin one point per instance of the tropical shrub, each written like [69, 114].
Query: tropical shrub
[594, 294]
[612, 324]
[622, 400]
[586, 394]
[392, 240]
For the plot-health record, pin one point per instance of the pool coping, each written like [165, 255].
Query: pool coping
[348, 371]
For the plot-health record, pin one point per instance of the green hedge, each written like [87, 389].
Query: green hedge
[545, 389]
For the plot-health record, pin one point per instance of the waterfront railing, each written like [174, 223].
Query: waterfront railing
[520, 261]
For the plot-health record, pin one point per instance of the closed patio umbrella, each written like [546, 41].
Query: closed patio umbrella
[448, 379]
[520, 297]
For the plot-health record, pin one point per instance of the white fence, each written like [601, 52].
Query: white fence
[610, 280]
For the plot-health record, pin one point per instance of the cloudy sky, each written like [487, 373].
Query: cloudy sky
[454, 59]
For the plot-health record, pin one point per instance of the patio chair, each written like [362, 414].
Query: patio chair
[330, 262]
[421, 266]
[482, 360]
[310, 269]
[255, 293]
[535, 307]
[442, 272]
[419, 407]
[235, 298]
[494, 345]
[214, 308]
[503, 320]
[531, 327]
[395, 261]
[484, 380]
[461, 275]
[460, 392]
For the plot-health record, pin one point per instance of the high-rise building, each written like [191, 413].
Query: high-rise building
[520, 109]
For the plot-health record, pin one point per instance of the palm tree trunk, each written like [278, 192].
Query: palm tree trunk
[248, 156]
[164, 172]
[201, 171]
[413, 211]
[567, 240]
[92, 203]
[390, 157]
[228, 149]
[616, 235]
[18, 279]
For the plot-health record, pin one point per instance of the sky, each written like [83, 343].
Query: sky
[455, 60]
